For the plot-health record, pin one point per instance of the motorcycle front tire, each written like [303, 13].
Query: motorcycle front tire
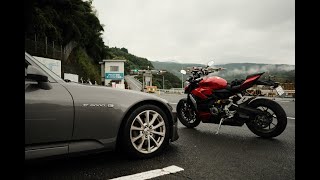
[181, 114]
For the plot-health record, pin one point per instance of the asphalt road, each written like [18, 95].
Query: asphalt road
[133, 83]
[235, 153]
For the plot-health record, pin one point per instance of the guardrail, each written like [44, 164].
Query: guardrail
[171, 91]
[268, 93]
[273, 93]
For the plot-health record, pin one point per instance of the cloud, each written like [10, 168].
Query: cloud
[252, 69]
[196, 31]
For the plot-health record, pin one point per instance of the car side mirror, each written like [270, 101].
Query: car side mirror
[35, 74]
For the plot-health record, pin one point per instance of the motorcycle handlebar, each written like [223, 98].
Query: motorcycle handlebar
[198, 72]
[194, 80]
[198, 79]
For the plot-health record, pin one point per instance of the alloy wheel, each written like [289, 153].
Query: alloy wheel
[147, 131]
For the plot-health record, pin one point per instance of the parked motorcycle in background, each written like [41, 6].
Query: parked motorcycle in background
[211, 99]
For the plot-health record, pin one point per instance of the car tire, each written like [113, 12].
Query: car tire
[143, 140]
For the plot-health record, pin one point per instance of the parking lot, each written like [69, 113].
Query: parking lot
[235, 153]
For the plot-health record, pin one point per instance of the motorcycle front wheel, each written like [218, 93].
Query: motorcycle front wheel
[269, 124]
[186, 114]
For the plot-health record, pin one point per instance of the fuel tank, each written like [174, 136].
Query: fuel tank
[213, 83]
[208, 85]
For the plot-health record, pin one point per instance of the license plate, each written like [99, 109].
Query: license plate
[279, 90]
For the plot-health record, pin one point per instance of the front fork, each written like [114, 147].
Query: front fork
[192, 101]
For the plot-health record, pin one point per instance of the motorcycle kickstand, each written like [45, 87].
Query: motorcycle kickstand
[222, 119]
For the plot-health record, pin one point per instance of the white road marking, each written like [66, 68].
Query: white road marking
[152, 173]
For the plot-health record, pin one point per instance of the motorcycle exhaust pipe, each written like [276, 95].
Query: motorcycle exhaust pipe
[243, 109]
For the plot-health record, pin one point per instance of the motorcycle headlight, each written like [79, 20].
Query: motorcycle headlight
[186, 84]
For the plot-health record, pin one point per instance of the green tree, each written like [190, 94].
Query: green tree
[124, 50]
[68, 20]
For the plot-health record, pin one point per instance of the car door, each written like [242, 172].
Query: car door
[49, 113]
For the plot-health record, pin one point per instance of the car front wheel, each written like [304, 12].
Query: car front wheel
[146, 133]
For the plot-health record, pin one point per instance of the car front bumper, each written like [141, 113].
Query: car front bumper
[175, 134]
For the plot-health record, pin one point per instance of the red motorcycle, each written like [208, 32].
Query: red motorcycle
[214, 100]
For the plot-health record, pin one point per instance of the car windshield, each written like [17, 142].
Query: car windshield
[43, 67]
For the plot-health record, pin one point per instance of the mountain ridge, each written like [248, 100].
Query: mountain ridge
[281, 72]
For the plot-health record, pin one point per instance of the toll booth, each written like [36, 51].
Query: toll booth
[112, 73]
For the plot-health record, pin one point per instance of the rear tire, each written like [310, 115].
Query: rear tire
[261, 125]
[186, 115]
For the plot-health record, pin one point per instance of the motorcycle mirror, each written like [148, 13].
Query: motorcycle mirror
[210, 63]
[183, 71]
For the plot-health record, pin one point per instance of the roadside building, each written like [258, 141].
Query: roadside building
[112, 73]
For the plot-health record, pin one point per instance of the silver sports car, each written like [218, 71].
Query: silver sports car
[64, 117]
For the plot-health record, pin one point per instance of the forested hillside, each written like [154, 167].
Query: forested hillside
[279, 72]
[69, 30]
[132, 61]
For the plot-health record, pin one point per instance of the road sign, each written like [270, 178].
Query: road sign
[115, 76]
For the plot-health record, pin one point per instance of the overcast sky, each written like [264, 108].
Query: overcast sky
[197, 31]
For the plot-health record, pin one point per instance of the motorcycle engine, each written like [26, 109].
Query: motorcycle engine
[214, 111]
[217, 107]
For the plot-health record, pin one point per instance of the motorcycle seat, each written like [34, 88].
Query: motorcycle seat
[229, 88]
[232, 88]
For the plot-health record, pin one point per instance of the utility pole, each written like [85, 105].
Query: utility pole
[162, 81]
[142, 83]
[161, 73]
[181, 78]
